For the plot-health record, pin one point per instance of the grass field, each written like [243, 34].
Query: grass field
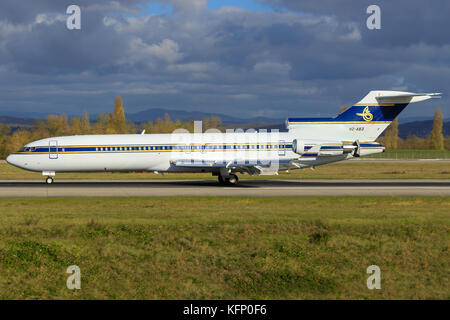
[227, 248]
[341, 170]
[412, 154]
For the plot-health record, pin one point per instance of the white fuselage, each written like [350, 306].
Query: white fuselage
[308, 142]
[163, 152]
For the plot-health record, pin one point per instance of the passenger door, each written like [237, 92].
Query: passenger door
[53, 149]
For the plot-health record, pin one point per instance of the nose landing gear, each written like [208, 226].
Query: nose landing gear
[50, 175]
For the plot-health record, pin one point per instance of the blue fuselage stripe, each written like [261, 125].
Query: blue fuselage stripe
[181, 148]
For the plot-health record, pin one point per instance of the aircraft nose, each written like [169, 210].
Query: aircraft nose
[17, 160]
[12, 159]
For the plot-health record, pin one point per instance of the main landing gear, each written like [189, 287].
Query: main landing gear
[231, 179]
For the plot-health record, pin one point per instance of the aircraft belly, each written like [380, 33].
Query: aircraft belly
[100, 162]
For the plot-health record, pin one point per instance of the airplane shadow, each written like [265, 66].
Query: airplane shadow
[250, 183]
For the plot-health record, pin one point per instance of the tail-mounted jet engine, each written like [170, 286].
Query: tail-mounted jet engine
[357, 152]
[354, 148]
[298, 146]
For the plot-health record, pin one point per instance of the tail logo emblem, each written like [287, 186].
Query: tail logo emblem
[367, 116]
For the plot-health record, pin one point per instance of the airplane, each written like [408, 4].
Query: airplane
[309, 142]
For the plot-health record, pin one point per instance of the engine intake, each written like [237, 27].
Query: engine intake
[298, 146]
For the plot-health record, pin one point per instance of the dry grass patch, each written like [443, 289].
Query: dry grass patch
[225, 248]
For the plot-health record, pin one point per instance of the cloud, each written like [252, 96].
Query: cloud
[167, 51]
[403, 22]
[302, 58]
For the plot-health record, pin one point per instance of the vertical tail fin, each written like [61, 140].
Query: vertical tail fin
[364, 121]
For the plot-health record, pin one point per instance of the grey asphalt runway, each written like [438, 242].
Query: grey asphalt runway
[193, 188]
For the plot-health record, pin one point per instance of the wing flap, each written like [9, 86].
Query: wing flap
[193, 163]
[312, 153]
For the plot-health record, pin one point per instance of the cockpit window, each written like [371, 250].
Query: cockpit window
[28, 149]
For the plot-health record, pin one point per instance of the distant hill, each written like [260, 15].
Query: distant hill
[16, 121]
[420, 128]
[153, 114]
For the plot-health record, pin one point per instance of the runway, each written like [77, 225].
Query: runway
[250, 187]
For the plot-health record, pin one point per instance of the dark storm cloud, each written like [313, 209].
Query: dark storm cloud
[51, 48]
[308, 58]
[404, 22]
[26, 11]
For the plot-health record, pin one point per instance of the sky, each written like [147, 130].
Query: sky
[245, 58]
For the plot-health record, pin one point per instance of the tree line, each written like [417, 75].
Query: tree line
[115, 122]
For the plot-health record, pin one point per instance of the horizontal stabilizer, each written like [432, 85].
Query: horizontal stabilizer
[432, 95]
[386, 97]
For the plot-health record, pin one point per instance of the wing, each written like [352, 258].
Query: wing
[253, 167]
[311, 154]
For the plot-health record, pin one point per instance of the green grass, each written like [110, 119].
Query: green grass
[225, 248]
[411, 154]
[340, 170]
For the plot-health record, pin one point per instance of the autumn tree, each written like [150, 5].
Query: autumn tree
[75, 125]
[212, 122]
[16, 141]
[57, 125]
[414, 142]
[342, 109]
[447, 142]
[391, 135]
[166, 125]
[100, 125]
[436, 137]
[4, 130]
[119, 123]
[85, 124]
